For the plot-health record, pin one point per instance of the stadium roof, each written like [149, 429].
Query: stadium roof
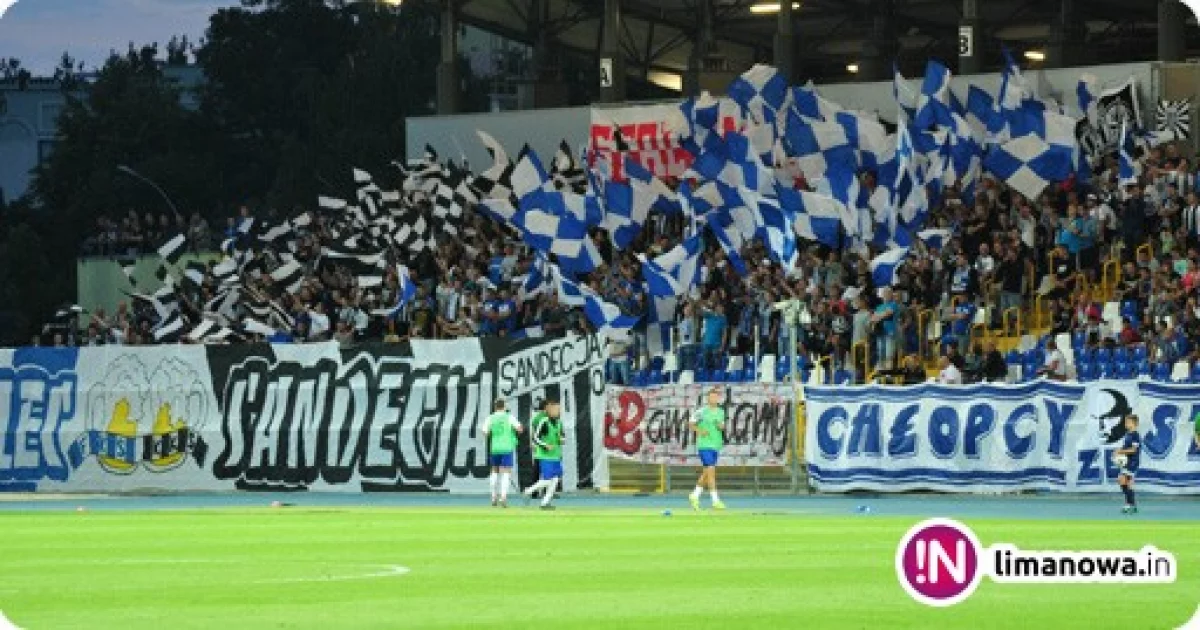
[657, 35]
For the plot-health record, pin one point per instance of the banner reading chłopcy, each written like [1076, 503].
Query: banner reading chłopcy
[999, 438]
[650, 424]
[397, 417]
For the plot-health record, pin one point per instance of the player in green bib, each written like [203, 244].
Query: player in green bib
[501, 429]
[546, 432]
[1196, 420]
[708, 422]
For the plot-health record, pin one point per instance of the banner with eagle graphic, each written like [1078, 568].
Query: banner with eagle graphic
[1000, 438]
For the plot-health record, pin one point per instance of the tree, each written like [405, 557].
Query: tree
[329, 83]
[129, 116]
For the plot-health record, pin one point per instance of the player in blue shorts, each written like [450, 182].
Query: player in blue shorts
[1128, 459]
[501, 430]
[546, 432]
[709, 424]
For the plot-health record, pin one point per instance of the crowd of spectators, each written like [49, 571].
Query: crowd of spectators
[1004, 252]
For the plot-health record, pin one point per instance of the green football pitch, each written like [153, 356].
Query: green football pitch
[582, 567]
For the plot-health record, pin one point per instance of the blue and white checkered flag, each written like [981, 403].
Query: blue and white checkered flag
[1028, 164]
[603, 315]
[884, 266]
[933, 106]
[935, 238]
[758, 86]
[818, 146]
[906, 99]
[675, 272]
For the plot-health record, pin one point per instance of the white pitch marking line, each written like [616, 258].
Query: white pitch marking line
[390, 570]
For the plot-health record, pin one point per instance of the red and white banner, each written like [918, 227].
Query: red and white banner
[652, 134]
[650, 424]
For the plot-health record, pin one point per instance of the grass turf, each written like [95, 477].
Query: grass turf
[581, 568]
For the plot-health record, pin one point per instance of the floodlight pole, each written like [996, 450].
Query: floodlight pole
[136, 175]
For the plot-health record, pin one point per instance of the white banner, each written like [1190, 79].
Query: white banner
[650, 424]
[376, 418]
[999, 438]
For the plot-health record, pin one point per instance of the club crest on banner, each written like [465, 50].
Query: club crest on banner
[143, 415]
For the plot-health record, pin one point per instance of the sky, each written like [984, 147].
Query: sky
[38, 31]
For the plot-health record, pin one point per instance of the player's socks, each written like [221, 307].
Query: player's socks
[1128, 497]
[492, 484]
[697, 492]
[503, 486]
[695, 501]
[1132, 498]
[550, 487]
[531, 490]
[715, 498]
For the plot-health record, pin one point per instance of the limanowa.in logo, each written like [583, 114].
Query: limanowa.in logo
[940, 562]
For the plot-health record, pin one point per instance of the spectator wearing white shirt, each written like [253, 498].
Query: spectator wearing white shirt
[1055, 368]
[948, 373]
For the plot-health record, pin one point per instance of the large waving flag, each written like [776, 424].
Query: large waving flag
[603, 315]
[905, 97]
[1028, 164]
[676, 271]
[734, 163]
[933, 106]
[818, 145]
[807, 103]
[884, 266]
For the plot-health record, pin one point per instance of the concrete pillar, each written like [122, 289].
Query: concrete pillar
[447, 70]
[700, 47]
[1066, 37]
[612, 60]
[970, 39]
[880, 49]
[1172, 19]
[785, 43]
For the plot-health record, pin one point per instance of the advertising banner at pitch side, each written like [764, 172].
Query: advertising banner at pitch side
[376, 418]
[999, 438]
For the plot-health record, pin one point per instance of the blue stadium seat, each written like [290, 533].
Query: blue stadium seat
[1139, 353]
[1121, 354]
[1125, 370]
[1129, 308]
[1086, 372]
[703, 375]
[1078, 339]
[656, 363]
[781, 370]
[1161, 372]
[1041, 342]
[1088, 355]
[843, 377]
[1037, 355]
[1143, 368]
[1104, 355]
[1013, 357]
[1107, 370]
[749, 375]
[1195, 373]
[805, 374]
